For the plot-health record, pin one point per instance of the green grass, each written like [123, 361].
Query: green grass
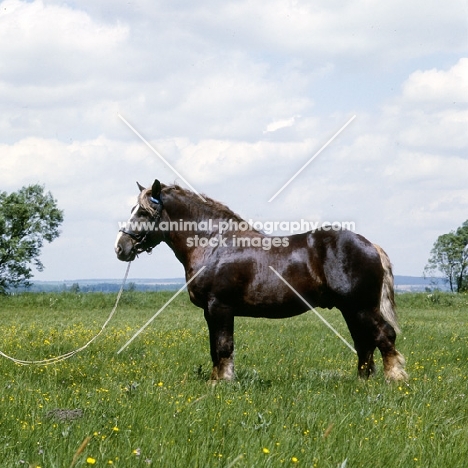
[296, 400]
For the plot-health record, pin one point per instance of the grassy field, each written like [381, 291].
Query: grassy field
[296, 400]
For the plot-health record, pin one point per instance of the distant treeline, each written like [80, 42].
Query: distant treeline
[99, 287]
[402, 284]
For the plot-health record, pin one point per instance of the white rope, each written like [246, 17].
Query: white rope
[161, 309]
[53, 360]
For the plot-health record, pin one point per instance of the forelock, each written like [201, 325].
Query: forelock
[143, 201]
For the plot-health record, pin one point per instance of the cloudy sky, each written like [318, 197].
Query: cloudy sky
[237, 96]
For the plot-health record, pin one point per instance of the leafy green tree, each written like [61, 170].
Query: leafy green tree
[28, 217]
[75, 288]
[449, 255]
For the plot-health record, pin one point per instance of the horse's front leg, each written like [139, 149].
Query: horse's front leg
[220, 322]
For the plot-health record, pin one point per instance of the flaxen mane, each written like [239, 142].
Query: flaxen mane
[208, 207]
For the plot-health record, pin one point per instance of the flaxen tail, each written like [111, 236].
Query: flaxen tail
[387, 298]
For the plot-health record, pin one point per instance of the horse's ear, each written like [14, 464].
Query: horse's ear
[141, 187]
[156, 190]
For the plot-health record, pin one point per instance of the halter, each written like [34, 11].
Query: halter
[141, 238]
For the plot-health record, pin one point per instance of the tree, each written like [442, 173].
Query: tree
[449, 255]
[28, 217]
[75, 288]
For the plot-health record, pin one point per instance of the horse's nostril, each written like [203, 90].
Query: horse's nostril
[118, 249]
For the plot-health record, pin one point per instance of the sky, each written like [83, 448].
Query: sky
[237, 96]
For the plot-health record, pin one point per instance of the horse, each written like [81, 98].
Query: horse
[326, 268]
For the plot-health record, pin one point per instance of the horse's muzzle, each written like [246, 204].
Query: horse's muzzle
[124, 248]
[124, 256]
[121, 255]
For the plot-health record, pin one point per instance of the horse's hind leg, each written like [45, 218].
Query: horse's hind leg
[221, 329]
[393, 361]
[361, 331]
[369, 331]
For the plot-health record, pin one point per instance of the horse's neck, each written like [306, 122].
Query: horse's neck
[188, 223]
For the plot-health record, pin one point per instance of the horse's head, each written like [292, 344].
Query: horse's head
[141, 233]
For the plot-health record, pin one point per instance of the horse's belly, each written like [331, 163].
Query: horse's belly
[273, 311]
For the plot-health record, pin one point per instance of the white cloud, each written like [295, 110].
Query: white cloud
[377, 31]
[212, 161]
[434, 106]
[442, 87]
[53, 43]
[279, 124]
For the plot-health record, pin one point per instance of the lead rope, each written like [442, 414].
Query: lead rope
[53, 360]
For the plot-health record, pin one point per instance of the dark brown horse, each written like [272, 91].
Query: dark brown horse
[327, 268]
